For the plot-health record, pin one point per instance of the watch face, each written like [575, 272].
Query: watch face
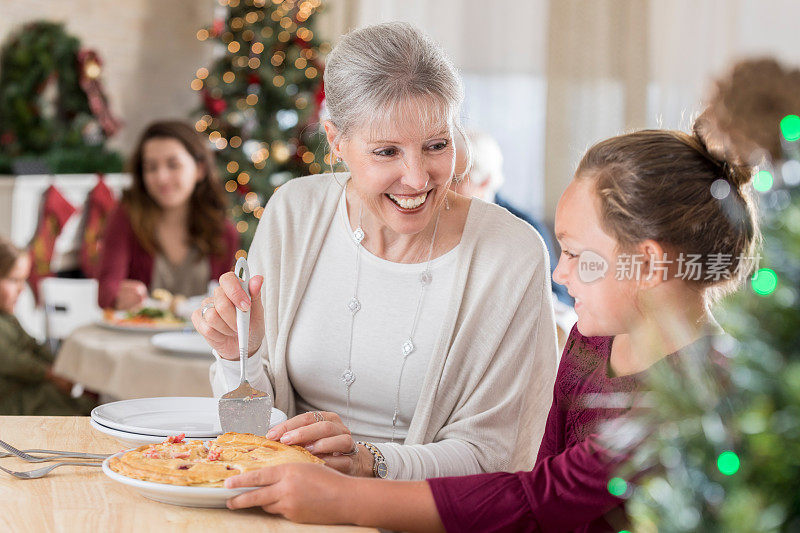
[381, 470]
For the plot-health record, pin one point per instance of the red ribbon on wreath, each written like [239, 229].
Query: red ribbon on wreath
[89, 69]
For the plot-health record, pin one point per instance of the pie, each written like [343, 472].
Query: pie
[200, 463]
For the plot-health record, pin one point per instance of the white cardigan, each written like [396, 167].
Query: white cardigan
[490, 377]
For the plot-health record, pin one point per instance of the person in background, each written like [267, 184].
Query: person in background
[27, 383]
[483, 180]
[645, 194]
[169, 231]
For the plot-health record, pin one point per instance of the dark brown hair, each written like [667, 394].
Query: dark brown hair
[206, 204]
[8, 256]
[657, 184]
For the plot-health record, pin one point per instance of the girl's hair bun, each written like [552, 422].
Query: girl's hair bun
[712, 144]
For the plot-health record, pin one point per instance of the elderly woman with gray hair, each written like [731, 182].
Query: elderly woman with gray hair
[392, 318]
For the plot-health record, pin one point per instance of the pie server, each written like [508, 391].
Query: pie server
[244, 409]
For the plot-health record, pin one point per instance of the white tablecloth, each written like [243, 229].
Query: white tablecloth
[125, 365]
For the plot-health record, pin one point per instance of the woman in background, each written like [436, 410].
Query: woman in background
[169, 231]
[27, 383]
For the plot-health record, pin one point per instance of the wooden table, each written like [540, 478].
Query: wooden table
[83, 499]
[124, 365]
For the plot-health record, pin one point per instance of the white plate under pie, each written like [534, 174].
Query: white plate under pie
[194, 416]
[129, 439]
[182, 342]
[176, 494]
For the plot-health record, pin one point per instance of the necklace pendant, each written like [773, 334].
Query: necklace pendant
[358, 235]
[425, 278]
[348, 377]
[408, 347]
[394, 418]
[354, 305]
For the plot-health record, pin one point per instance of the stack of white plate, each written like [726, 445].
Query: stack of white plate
[152, 420]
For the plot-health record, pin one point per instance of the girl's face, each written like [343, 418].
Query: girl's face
[12, 285]
[588, 266]
[170, 172]
[402, 173]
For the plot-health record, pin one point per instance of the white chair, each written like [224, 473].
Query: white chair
[68, 305]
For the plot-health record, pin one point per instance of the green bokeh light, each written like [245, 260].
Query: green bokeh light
[617, 486]
[728, 463]
[763, 181]
[790, 127]
[765, 281]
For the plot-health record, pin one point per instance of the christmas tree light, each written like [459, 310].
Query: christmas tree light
[790, 127]
[763, 181]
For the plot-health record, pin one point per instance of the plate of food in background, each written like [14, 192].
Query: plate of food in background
[163, 311]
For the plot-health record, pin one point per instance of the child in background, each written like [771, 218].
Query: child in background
[27, 383]
[646, 196]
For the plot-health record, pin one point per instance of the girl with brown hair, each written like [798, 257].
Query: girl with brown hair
[170, 229]
[641, 209]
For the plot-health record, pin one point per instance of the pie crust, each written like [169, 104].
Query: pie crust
[206, 463]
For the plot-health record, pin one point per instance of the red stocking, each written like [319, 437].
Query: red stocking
[56, 210]
[99, 205]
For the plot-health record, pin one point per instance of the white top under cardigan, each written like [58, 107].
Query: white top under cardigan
[487, 383]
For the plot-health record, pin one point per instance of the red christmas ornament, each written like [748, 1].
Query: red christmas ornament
[217, 26]
[301, 43]
[7, 138]
[253, 78]
[215, 106]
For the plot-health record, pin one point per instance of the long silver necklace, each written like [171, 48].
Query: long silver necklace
[348, 377]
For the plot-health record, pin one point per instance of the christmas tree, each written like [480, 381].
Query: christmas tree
[52, 106]
[262, 98]
[724, 455]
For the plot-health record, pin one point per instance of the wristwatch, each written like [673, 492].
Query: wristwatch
[379, 468]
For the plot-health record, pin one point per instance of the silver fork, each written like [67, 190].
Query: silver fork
[57, 455]
[41, 472]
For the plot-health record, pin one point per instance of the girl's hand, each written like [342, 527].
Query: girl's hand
[326, 436]
[218, 326]
[132, 293]
[301, 492]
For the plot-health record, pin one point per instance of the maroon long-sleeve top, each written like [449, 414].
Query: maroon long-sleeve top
[567, 490]
[123, 256]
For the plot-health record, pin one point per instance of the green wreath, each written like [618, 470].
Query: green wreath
[44, 112]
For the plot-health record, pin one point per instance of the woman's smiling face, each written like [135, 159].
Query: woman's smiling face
[400, 168]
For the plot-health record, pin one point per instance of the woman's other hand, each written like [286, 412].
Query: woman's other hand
[218, 323]
[132, 293]
[324, 434]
